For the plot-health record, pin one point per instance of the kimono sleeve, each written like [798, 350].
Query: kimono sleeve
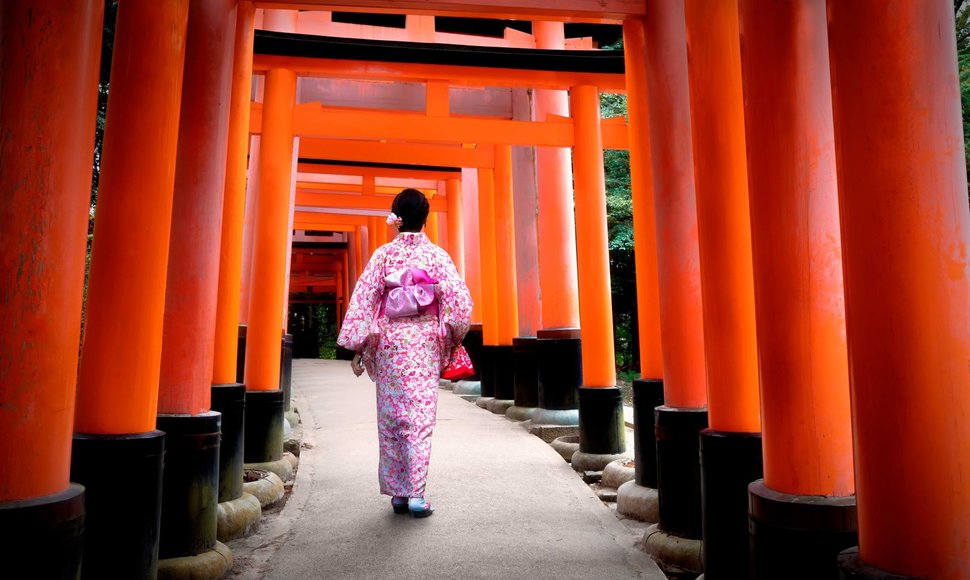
[454, 303]
[364, 305]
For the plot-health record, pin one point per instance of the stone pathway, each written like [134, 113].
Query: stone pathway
[507, 505]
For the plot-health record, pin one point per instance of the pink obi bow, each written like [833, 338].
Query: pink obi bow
[409, 291]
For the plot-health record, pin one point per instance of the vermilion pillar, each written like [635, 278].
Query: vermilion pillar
[48, 91]
[602, 434]
[558, 347]
[117, 396]
[431, 228]
[264, 399]
[802, 513]
[731, 447]
[188, 336]
[456, 229]
[228, 395]
[372, 234]
[639, 498]
[906, 230]
[684, 413]
[505, 280]
[490, 315]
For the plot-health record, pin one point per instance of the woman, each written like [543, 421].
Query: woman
[409, 310]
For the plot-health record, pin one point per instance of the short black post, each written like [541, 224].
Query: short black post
[798, 536]
[487, 369]
[190, 489]
[473, 344]
[679, 469]
[123, 513]
[241, 355]
[526, 377]
[286, 369]
[729, 462]
[559, 366]
[602, 430]
[504, 372]
[41, 537]
[230, 401]
[648, 394]
[263, 426]
[853, 567]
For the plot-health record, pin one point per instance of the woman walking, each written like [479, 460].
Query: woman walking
[408, 312]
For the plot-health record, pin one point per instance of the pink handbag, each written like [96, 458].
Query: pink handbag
[459, 365]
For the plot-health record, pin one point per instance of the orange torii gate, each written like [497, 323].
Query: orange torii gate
[818, 211]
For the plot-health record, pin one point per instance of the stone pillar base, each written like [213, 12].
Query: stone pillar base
[499, 406]
[549, 433]
[566, 446]
[209, 565]
[238, 518]
[41, 537]
[568, 417]
[264, 426]
[582, 461]
[484, 401]
[516, 413]
[729, 462]
[797, 536]
[674, 555]
[123, 513]
[446, 384]
[265, 486]
[616, 473]
[638, 502]
[283, 467]
[468, 388]
[852, 567]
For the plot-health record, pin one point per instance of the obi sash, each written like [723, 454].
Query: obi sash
[409, 292]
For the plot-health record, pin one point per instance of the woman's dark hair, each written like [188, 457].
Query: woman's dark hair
[412, 207]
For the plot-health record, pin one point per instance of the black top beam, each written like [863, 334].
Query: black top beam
[311, 46]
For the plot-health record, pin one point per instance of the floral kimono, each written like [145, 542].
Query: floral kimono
[408, 311]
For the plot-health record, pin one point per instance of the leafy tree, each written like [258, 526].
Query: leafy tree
[961, 10]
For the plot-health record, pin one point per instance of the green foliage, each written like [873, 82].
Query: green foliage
[961, 10]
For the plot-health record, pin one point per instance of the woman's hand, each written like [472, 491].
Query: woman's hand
[356, 365]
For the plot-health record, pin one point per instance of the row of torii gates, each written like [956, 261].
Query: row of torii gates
[801, 225]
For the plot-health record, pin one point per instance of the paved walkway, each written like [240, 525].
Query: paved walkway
[507, 505]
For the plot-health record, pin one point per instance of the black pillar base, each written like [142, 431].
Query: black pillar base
[41, 537]
[286, 369]
[560, 368]
[852, 567]
[729, 462]
[504, 370]
[264, 426]
[123, 508]
[526, 371]
[487, 368]
[473, 344]
[190, 489]
[602, 430]
[679, 469]
[648, 394]
[230, 401]
[798, 536]
[241, 355]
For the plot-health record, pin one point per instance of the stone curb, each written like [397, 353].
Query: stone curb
[238, 518]
[616, 474]
[675, 555]
[638, 502]
[268, 489]
[211, 564]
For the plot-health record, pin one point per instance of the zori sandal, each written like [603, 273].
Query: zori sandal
[400, 505]
[420, 508]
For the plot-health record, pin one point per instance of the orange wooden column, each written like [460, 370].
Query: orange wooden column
[456, 226]
[193, 273]
[798, 284]
[431, 228]
[641, 185]
[472, 239]
[48, 85]
[684, 413]
[119, 370]
[486, 235]
[592, 241]
[730, 449]
[122, 347]
[372, 234]
[271, 234]
[504, 208]
[234, 204]
[906, 230]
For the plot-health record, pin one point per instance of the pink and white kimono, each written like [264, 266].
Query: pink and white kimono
[406, 352]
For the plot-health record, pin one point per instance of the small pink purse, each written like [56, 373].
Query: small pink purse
[459, 365]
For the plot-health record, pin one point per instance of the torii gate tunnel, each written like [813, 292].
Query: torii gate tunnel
[801, 228]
